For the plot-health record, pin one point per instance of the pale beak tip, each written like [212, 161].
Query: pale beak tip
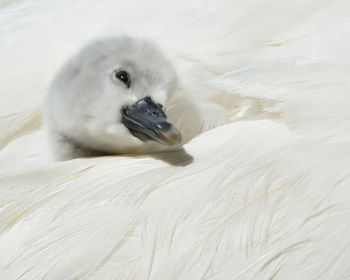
[171, 136]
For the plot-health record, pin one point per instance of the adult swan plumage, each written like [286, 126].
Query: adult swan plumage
[261, 100]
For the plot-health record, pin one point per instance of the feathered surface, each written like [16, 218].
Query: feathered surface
[261, 192]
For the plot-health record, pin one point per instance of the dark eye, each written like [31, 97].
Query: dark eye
[124, 77]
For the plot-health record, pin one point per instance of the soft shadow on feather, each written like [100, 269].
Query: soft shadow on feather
[175, 158]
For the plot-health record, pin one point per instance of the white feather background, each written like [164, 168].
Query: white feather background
[264, 189]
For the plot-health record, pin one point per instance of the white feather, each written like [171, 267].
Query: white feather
[262, 195]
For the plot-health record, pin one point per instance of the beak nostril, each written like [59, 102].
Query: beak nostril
[146, 120]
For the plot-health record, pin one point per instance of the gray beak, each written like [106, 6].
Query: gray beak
[146, 120]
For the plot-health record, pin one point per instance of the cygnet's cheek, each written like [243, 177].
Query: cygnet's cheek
[121, 134]
[129, 100]
[159, 96]
[115, 129]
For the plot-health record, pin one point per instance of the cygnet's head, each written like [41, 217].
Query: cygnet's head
[111, 97]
